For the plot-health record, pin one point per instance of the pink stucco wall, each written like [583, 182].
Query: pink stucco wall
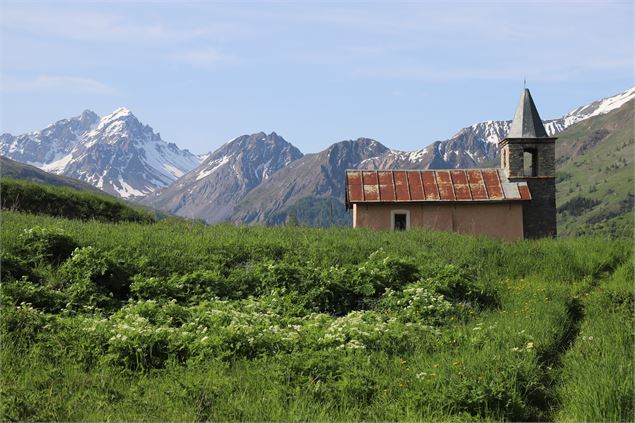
[497, 220]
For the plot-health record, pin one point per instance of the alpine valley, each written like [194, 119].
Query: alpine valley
[262, 178]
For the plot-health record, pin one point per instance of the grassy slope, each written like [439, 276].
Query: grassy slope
[596, 162]
[502, 363]
[15, 170]
[311, 211]
[596, 385]
[32, 197]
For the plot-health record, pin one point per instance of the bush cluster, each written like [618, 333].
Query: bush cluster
[248, 310]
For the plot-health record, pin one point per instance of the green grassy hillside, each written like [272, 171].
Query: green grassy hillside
[595, 174]
[15, 170]
[311, 211]
[20, 195]
[178, 321]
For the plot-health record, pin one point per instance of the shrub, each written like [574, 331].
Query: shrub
[190, 288]
[459, 286]
[14, 268]
[25, 291]
[385, 271]
[578, 205]
[418, 303]
[23, 325]
[206, 284]
[244, 282]
[92, 278]
[49, 245]
[144, 335]
[337, 290]
[156, 288]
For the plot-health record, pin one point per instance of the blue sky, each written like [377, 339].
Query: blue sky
[316, 72]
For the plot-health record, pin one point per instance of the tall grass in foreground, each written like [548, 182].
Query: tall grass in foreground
[487, 369]
[597, 376]
[176, 321]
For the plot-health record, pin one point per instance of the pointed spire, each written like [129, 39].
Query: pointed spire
[527, 122]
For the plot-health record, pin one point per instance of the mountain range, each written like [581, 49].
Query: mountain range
[115, 153]
[213, 189]
[258, 178]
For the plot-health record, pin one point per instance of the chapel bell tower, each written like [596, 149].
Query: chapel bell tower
[529, 154]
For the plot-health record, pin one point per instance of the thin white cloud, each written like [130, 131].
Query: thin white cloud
[90, 26]
[56, 83]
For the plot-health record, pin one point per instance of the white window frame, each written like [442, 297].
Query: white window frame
[392, 218]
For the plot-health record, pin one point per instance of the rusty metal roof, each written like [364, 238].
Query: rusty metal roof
[459, 185]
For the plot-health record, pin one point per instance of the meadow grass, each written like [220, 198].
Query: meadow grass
[489, 330]
[597, 373]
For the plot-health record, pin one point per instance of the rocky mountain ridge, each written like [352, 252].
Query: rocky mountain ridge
[116, 153]
[212, 190]
[318, 175]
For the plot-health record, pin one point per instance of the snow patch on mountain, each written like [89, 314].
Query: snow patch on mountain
[171, 162]
[57, 166]
[117, 114]
[599, 107]
[554, 126]
[212, 166]
[125, 190]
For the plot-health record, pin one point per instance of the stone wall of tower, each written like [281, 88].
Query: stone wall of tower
[546, 158]
[512, 156]
[512, 159]
[539, 215]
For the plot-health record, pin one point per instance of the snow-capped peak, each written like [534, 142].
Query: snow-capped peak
[599, 107]
[120, 111]
[116, 153]
[117, 114]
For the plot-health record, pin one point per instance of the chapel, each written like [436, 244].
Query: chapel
[515, 201]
